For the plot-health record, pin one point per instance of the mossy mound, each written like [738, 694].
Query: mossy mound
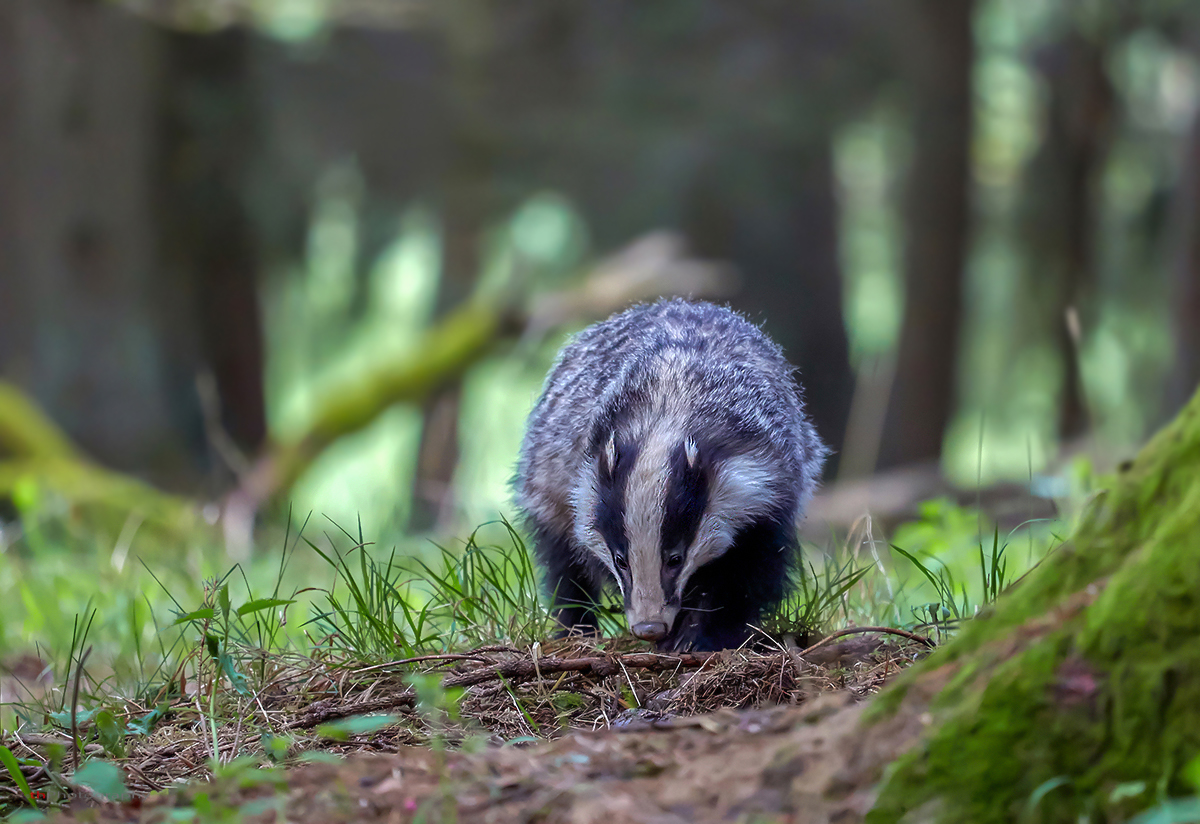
[1085, 678]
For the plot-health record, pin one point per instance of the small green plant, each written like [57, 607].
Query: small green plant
[940, 548]
[440, 709]
[483, 594]
[103, 778]
[1183, 810]
[375, 618]
[14, 771]
[344, 729]
[438, 705]
[820, 599]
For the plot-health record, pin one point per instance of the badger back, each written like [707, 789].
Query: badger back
[631, 398]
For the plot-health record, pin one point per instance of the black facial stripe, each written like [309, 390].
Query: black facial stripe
[687, 496]
[733, 436]
[610, 503]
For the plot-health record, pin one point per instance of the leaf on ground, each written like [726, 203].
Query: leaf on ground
[103, 778]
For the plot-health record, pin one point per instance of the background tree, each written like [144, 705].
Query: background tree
[936, 48]
[80, 323]
[230, 130]
[207, 250]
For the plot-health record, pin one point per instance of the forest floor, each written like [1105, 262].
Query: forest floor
[571, 731]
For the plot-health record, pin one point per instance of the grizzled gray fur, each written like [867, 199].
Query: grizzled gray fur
[670, 455]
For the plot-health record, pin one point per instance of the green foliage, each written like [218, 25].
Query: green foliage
[224, 640]
[14, 771]
[1088, 669]
[1185, 810]
[962, 564]
[103, 778]
[485, 594]
[134, 594]
[216, 801]
[344, 729]
[821, 599]
[231, 636]
[955, 565]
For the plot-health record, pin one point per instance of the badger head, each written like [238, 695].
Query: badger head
[656, 508]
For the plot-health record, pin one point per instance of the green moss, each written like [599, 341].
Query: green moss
[40, 468]
[1088, 672]
[443, 353]
[26, 431]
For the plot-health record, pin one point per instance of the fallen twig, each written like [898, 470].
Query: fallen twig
[903, 633]
[76, 744]
[602, 666]
[444, 656]
[334, 708]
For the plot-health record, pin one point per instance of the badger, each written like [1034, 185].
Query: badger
[669, 454]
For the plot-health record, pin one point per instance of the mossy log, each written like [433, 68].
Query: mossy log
[654, 265]
[39, 461]
[444, 352]
[1083, 679]
[26, 432]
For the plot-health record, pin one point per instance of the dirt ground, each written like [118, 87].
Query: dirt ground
[788, 764]
[743, 737]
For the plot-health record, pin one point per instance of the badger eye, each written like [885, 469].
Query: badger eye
[675, 560]
[621, 562]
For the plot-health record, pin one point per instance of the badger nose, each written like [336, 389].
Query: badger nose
[650, 630]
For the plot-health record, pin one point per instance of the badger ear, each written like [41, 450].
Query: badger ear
[610, 453]
[691, 452]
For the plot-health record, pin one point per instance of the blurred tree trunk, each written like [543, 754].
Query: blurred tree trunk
[937, 49]
[1185, 276]
[376, 97]
[785, 244]
[76, 242]
[15, 324]
[206, 242]
[1060, 204]
[464, 211]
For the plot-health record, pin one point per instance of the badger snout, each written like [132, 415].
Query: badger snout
[650, 630]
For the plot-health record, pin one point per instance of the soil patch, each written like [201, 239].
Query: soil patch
[566, 732]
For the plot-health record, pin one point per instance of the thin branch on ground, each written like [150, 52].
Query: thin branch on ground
[903, 633]
[332, 709]
[444, 656]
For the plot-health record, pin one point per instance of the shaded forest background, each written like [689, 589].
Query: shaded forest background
[971, 225]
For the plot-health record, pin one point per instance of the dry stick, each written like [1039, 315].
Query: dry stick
[903, 633]
[600, 665]
[74, 708]
[333, 708]
[446, 656]
[27, 738]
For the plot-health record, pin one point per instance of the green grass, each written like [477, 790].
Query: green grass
[485, 593]
[130, 641]
[332, 592]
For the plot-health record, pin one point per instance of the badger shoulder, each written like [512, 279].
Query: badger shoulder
[703, 365]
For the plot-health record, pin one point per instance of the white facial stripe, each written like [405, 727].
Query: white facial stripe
[610, 451]
[584, 498]
[645, 496]
[737, 496]
[742, 487]
[715, 535]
